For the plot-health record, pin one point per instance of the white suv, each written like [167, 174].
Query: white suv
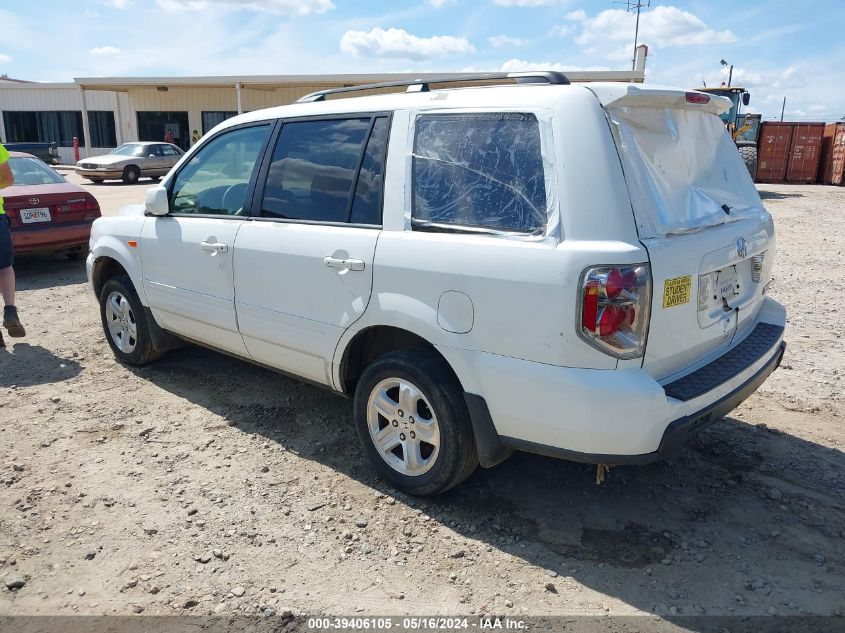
[573, 270]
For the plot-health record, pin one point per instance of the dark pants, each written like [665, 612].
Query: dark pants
[6, 258]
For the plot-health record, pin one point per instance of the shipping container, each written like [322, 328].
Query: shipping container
[832, 164]
[805, 152]
[773, 151]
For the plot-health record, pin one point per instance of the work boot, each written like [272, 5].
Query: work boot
[12, 323]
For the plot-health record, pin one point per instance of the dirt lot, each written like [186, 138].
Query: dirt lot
[202, 484]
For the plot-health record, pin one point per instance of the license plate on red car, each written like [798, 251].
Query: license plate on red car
[41, 214]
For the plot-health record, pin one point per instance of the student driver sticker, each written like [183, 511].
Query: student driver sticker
[676, 291]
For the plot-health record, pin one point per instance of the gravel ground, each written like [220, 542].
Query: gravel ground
[205, 485]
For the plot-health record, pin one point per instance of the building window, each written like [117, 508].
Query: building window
[101, 126]
[210, 119]
[44, 127]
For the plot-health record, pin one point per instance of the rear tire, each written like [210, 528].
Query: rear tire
[131, 175]
[96, 181]
[749, 157]
[125, 323]
[413, 422]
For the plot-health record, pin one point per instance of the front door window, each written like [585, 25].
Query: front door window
[216, 179]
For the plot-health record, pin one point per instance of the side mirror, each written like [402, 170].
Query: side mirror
[156, 201]
[746, 98]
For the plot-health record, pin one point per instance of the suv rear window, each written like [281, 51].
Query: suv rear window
[481, 170]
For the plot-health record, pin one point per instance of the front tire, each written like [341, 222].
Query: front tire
[125, 323]
[413, 423]
[749, 157]
[131, 175]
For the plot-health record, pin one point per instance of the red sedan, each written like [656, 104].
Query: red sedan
[47, 213]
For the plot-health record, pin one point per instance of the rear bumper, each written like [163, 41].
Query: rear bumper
[621, 416]
[676, 433]
[50, 238]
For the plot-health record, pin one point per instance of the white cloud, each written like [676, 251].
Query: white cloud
[105, 51]
[526, 3]
[117, 4]
[281, 7]
[518, 65]
[664, 26]
[577, 16]
[398, 43]
[4, 59]
[505, 40]
[439, 3]
[743, 77]
[562, 30]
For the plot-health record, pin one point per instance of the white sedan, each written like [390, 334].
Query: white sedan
[130, 161]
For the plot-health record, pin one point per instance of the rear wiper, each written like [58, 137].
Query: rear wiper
[726, 208]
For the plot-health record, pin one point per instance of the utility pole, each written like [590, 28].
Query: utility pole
[782, 108]
[730, 72]
[631, 5]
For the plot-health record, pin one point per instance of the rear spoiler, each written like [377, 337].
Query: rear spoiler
[619, 95]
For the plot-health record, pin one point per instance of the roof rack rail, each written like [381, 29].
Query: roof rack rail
[422, 85]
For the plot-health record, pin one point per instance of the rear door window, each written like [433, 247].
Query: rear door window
[366, 206]
[480, 170]
[313, 169]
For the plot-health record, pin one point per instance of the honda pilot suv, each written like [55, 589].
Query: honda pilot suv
[579, 271]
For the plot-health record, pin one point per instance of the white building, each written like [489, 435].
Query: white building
[104, 112]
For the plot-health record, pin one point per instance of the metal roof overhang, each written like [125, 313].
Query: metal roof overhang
[271, 82]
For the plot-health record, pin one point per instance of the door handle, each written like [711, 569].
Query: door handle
[344, 264]
[214, 247]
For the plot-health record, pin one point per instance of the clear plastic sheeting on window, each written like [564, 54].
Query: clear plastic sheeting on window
[482, 170]
[683, 170]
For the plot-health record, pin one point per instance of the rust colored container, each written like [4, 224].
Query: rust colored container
[832, 164]
[773, 151]
[805, 152]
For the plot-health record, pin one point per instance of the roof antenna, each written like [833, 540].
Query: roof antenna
[630, 5]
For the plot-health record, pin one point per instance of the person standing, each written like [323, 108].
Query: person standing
[7, 274]
[168, 137]
[195, 137]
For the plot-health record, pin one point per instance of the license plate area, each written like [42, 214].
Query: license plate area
[39, 214]
[721, 292]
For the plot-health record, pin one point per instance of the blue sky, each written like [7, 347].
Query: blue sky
[779, 48]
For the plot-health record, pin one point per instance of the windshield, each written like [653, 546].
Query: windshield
[31, 171]
[128, 149]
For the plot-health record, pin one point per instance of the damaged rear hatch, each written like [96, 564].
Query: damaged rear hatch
[709, 238]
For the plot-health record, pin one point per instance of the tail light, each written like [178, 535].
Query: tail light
[615, 308]
[697, 97]
[92, 209]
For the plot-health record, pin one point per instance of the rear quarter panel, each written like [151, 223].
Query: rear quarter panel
[523, 292]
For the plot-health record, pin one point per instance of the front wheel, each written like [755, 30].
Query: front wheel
[131, 175]
[749, 157]
[412, 420]
[125, 323]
